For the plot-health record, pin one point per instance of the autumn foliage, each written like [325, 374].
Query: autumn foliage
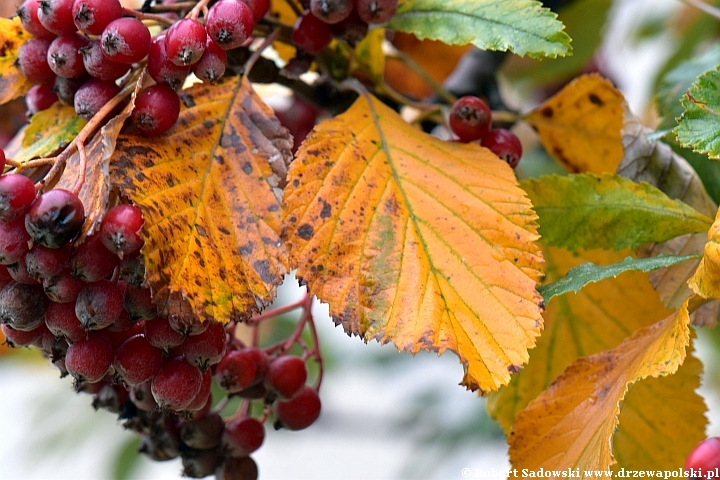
[570, 299]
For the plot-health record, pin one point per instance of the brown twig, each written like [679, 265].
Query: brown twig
[197, 9]
[159, 19]
[258, 52]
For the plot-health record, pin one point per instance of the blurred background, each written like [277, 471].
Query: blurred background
[385, 415]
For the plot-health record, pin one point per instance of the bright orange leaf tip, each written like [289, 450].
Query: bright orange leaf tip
[706, 280]
[209, 193]
[571, 424]
[581, 125]
[412, 240]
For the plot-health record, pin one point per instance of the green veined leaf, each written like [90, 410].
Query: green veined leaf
[586, 273]
[699, 126]
[521, 26]
[588, 211]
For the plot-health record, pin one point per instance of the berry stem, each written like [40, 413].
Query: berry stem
[277, 311]
[258, 52]
[173, 7]
[503, 116]
[291, 3]
[201, 7]
[159, 19]
[13, 163]
[83, 165]
[315, 352]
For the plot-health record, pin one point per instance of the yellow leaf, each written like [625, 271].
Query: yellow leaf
[282, 11]
[580, 126]
[49, 130]
[597, 318]
[661, 421]
[12, 83]
[368, 62]
[706, 281]
[212, 217]
[412, 240]
[571, 423]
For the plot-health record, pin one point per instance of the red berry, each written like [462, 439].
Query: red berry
[60, 318]
[32, 60]
[161, 69]
[17, 193]
[126, 40]
[331, 11]
[137, 361]
[19, 272]
[28, 13]
[236, 371]
[92, 261]
[705, 456]
[176, 384]
[99, 66]
[201, 399]
[233, 468]
[157, 108]
[99, 304]
[93, 96]
[229, 23]
[311, 34]
[161, 335]
[55, 218]
[211, 66]
[504, 144]
[376, 11]
[205, 349]
[243, 435]
[120, 230]
[300, 412]
[286, 375]
[259, 8]
[13, 241]
[138, 303]
[185, 41]
[470, 118]
[2, 160]
[43, 262]
[56, 16]
[64, 55]
[40, 97]
[20, 338]
[89, 359]
[5, 277]
[92, 16]
[63, 288]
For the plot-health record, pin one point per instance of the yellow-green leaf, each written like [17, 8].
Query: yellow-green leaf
[586, 211]
[49, 131]
[415, 241]
[597, 318]
[369, 59]
[12, 83]
[207, 191]
[570, 424]
[580, 126]
[661, 420]
[706, 281]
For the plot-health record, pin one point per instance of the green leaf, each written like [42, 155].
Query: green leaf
[699, 127]
[521, 26]
[588, 211]
[586, 273]
[677, 81]
[48, 131]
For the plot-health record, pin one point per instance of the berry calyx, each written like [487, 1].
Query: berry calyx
[64, 55]
[55, 218]
[470, 118]
[28, 13]
[331, 11]
[504, 144]
[185, 42]
[92, 16]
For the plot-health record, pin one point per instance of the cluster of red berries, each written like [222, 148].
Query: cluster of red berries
[471, 120]
[344, 19]
[81, 48]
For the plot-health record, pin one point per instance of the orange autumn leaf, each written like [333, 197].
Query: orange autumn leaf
[12, 83]
[596, 318]
[706, 280]
[581, 125]
[208, 191]
[570, 425]
[415, 241]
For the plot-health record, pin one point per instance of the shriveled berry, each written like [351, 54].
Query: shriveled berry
[22, 307]
[161, 69]
[470, 118]
[185, 41]
[204, 433]
[243, 435]
[28, 13]
[98, 304]
[176, 384]
[234, 468]
[300, 412]
[55, 218]
[229, 23]
[92, 16]
[311, 34]
[120, 230]
[157, 108]
[137, 361]
[89, 359]
[40, 97]
[64, 55]
[92, 96]
[504, 144]
[65, 88]
[32, 60]
[126, 40]
[286, 375]
[132, 270]
[17, 192]
[201, 463]
[56, 16]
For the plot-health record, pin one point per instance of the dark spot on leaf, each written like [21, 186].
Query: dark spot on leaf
[547, 112]
[320, 268]
[224, 230]
[595, 100]
[305, 231]
[273, 208]
[201, 231]
[187, 99]
[326, 210]
[262, 267]
[514, 368]
[296, 182]
[247, 168]
[246, 249]
[207, 124]
[219, 159]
